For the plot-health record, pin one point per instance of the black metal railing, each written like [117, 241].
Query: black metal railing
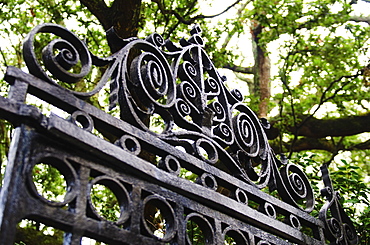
[239, 191]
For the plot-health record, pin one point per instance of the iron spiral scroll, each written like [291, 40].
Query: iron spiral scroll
[339, 228]
[179, 84]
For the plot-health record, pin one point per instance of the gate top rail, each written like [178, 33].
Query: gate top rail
[206, 129]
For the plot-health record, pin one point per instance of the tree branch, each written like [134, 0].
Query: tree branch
[227, 9]
[321, 128]
[324, 99]
[173, 28]
[365, 19]
[100, 10]
[234, 30]
[235, 68]
[191, 20]
[124, 16]
[307, 144]
[362, 146]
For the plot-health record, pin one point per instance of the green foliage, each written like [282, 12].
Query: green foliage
[194, 233]
[159, 17]
[36, 234]
[49, 182]
[322, 49]
[355, 194]
[290, 17]
[105, 202]
[19, 17]
[363, 226]
[349, 178]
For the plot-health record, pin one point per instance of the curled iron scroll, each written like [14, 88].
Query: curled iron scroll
[71, 51]
[294, 187]
[145, 82]
[65, 58]
[339, 228]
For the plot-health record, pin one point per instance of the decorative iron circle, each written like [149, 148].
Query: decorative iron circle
[246, 134]
[150, 87]
[189, 91]
[269, 210]
[67, 57]
[257, 172]
[170, 164]
[82, 119]
[207, 180]
[187, 71]
[237, 95]
[153, 206]
[121, 194]
[249, 133]
[182, 107]
[130, 144]
[209, 153]
[236, 235]
[294, 222]
[298, 185]
[241, 196]
[204, 226]
[69, 175]
[223, 131]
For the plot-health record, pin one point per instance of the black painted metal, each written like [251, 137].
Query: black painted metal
[207, 131]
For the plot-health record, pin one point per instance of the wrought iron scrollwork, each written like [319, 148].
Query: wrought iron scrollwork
[339, 228]
[65, 58]
[71, 51]
[155, 78]
[208, 133]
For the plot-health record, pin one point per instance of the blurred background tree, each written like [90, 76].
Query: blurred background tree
[303, 65]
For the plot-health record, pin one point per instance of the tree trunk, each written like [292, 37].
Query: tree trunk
[262, 69]
[124, 16]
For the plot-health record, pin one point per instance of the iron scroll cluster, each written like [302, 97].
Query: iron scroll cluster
[206, 130]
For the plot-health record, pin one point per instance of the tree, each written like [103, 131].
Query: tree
[309, 74]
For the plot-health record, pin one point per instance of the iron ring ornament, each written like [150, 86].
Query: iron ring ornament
[119, 191]
[152, 77]
[67, 173]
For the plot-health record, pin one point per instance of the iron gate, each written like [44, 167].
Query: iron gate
[203, 130]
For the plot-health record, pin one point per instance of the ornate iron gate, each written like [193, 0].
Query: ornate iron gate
[206, 132]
